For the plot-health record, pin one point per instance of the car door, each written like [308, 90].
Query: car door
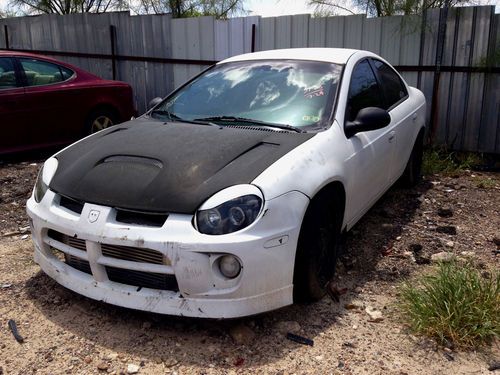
[48, 104]
[12, 119]
[371, 152]
[402, 117]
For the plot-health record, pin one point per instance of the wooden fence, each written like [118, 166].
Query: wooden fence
[452, 54]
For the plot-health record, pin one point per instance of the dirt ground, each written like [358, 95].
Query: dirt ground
[65, 333]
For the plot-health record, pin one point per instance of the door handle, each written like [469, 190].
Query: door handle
[392, 134]
[414, 116]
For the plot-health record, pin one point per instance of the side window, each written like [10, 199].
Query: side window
[394, 89]
[43, 73]
[363, 91]
[7, 74]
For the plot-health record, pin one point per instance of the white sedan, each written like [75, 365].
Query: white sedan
[230, 196]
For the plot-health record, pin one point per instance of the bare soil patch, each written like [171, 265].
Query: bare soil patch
[65, 333]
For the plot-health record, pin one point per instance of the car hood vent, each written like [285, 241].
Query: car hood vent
[259, 128]
[150, 166]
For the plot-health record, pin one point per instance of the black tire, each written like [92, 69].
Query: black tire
[413, 171]
[318, 248]
[100, 119]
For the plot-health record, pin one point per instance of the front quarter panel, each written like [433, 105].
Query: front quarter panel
[308, 167]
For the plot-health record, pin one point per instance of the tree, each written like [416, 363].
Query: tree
[66, 6]
[192, 8]
[380, 8]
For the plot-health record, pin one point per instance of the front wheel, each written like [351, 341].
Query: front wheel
[318, 248]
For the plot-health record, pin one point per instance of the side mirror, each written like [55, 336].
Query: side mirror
[369, 118]
[154, 102]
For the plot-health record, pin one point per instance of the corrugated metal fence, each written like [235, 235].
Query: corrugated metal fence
[448, 53]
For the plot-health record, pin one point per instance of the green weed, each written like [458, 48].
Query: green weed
[456, 304]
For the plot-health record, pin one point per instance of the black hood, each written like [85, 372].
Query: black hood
[147, 165]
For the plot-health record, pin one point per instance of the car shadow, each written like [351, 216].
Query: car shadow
[176, 341]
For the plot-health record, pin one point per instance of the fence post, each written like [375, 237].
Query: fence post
[112, 36]
[6, 33]
[443, 16]
[253, 37]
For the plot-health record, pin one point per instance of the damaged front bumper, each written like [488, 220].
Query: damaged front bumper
[169, 269]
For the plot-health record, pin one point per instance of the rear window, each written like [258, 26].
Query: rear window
[40, 72]
[394, 88]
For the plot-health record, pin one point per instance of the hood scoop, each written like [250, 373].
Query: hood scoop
[133, 160]
[120, 175]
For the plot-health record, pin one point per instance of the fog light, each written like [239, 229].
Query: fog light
[229, 266]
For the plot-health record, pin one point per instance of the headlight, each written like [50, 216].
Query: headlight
[40, 187]
[44, 177]
[230, 210]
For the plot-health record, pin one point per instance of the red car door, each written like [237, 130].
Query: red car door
[14, 134]
[49, 101]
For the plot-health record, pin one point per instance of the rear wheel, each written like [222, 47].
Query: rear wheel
[100, 119]
[318, 249]
[413, 171]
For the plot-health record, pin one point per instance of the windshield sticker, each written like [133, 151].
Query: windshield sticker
[310, 118]
[313, 93]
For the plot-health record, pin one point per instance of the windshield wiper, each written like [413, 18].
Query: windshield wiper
[173, 117]
[250, 121]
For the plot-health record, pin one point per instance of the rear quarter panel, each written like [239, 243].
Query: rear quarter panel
[81, 98]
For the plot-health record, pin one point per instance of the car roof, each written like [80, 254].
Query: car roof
[18, 53]
[8, 53]
[13, 53]
[332, 55]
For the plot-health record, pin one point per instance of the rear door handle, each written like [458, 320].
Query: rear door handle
[392, 134]
[414, 116]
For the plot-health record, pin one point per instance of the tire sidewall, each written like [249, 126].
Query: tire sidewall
[318, 248]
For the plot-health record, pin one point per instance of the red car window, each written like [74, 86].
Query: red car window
[39, 72]
[7, 73]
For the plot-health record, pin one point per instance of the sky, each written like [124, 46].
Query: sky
[270, 8]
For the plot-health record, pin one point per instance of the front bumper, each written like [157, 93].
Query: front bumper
[266, 250]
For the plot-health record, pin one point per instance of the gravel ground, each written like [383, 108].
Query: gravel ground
[65, 333]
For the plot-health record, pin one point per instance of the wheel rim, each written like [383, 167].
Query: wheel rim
[100, 123]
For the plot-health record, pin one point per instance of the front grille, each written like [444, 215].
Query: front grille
[134, 254]
[75, 242]
[140, 218]
[143, 279]
[71, 204]
[79, 264]
[130, 277]
[149, 219]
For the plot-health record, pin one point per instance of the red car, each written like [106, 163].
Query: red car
[45, 102]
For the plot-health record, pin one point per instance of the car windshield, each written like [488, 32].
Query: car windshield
[299, 94]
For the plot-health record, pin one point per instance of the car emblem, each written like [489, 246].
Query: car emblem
[93, 216]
